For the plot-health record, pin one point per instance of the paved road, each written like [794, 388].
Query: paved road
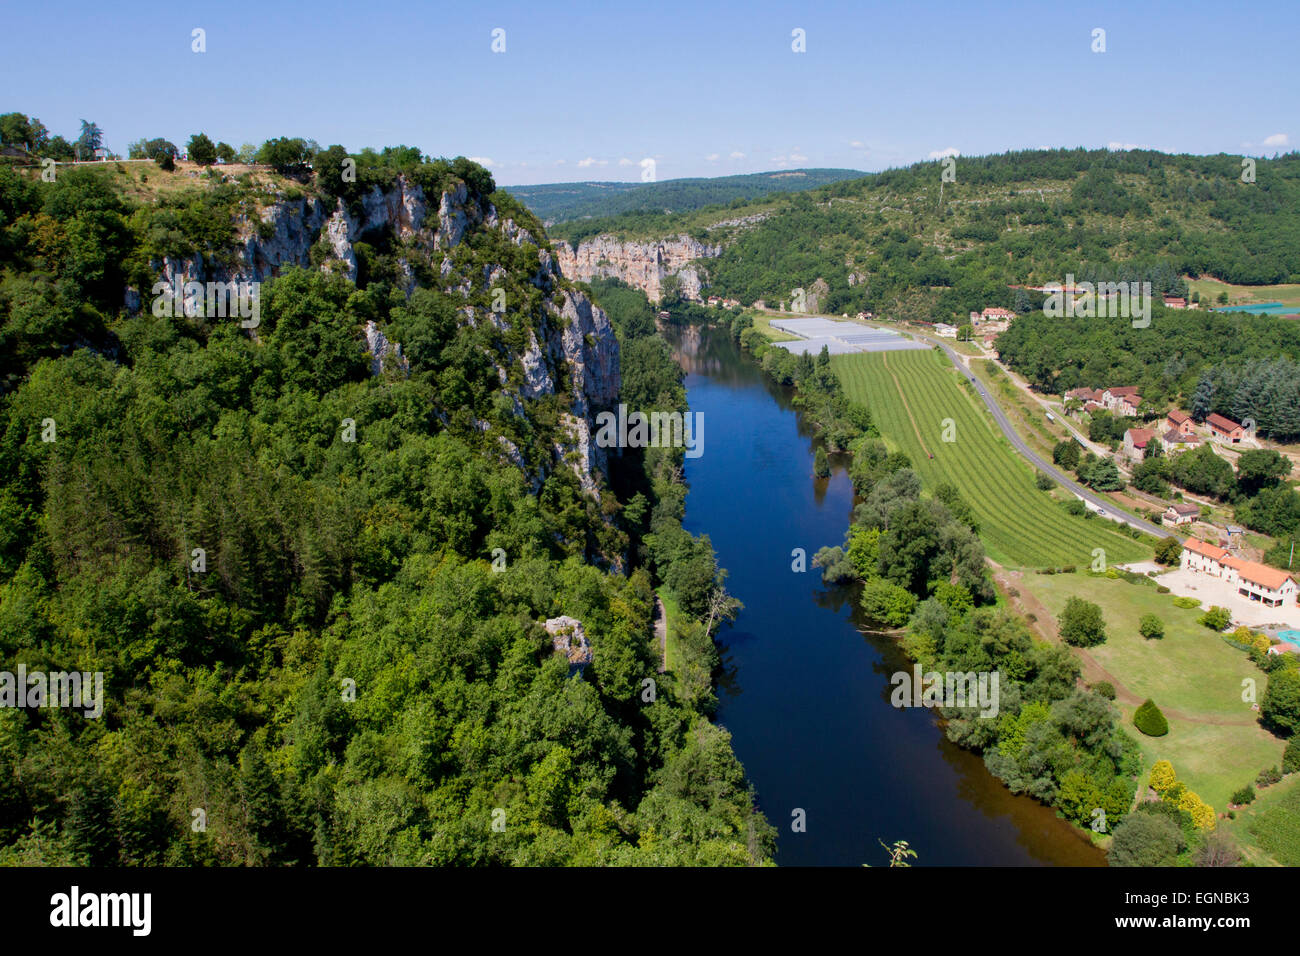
[1019, 445]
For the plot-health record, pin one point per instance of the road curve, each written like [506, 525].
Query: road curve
[1019, 445]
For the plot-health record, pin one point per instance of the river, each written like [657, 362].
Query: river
[803, 692]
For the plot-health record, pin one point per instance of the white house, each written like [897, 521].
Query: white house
[1271, 587]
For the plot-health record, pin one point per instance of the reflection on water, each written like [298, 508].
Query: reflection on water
[803, 691]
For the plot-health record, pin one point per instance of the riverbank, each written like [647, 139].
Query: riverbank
[801, 689]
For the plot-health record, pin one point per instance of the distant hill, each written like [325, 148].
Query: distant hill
[905, 243]
[563, 202]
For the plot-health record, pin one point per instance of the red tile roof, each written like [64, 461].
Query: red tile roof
[1140, 436]
[1219, 423]
[1178, 417]
[1197, 546]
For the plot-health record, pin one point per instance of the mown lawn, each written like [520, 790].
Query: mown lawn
[1214, 741]
[1020, 525]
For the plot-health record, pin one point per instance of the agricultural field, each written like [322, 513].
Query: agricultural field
[910, 395]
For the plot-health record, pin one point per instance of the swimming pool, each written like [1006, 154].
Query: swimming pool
[1262, 308]
[1291, 637]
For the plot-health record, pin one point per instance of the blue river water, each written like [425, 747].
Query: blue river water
[804, 692]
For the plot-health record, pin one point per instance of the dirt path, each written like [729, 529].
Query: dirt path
[884, 360]
[661, 633]
[1046, 627]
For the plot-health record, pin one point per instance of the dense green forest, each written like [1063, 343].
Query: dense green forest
[352, 668]
[556, 203]
[918, 247]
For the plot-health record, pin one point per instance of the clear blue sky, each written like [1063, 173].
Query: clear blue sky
[587, 91]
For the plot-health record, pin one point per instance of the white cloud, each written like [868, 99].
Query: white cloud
[647, 162]
[737, 154]
[1277, 139]
[798, 158]
[858, 144]
[942, 153]
[626, 162]
[583, 163]
[481, 160]
[712, 157]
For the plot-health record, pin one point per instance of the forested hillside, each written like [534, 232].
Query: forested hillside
[564, 202]
[313, 569]
[906, 243]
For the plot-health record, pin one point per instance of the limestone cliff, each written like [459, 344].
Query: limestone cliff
[570, 347]
[642, 265]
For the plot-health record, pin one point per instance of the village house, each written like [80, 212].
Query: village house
[945, 331]
[1136, 441]
[1173, 440]
[1180, 513]
[1089, 398]
[1225, 430]
[1271, 587]
[1122, 401]
[1175, 302]
[1180, 422]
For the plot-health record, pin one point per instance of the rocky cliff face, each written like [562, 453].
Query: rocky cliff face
[642, 265]
[571, 343]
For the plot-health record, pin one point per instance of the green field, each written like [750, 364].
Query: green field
[1214, 742]
[1268, 831]
[1020, 525]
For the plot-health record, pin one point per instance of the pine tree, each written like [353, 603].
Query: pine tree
[1203, 400]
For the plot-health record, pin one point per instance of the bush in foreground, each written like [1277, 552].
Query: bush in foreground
[1150, 720]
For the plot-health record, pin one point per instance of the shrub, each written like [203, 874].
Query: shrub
[1291, 756]
[1082, 624]
[1217, 618]
[1243, 796]
[1151, 627]
[1150, 720]
[1162, 776]
[1187, 602]
[1201, 812]
[1161, 589]
[1280, 706]
[1044, 481]
[1169, 552]
[1143, 839]
[1268, 777]
[1104, 688]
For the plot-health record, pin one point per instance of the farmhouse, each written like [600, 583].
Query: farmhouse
[1122, 401]
[1271, 587]
[1180, 422]
[1180, 513]
[1090, 398]
[1225, 430]
[1174, 440]
[945, 331]
[1175, 302]
[1136, 441]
